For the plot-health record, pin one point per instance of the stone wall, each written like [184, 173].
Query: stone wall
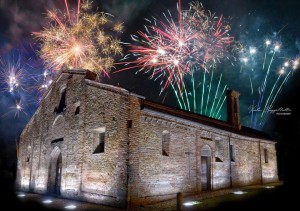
[162, 176]
[158, 177]
[245, 170]
[100, 178]
[269, 168]
[221, 164]
[104, 175]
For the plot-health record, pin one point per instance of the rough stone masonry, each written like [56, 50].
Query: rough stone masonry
[99, 143]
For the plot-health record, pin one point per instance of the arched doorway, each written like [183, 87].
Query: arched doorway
[205, 168]
[55, 167]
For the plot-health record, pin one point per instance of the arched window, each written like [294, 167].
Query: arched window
[206, 151]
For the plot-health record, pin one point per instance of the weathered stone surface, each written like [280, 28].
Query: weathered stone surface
[132, 169]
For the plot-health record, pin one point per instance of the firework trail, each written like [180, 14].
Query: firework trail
[78, 39]
[202, 94]
[275, 71]
[213, 104]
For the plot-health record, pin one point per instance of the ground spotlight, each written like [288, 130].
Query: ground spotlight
[21, 195]
[269, 187]
[70, 207]
[191, 203]
[48, 201]
[239, 192]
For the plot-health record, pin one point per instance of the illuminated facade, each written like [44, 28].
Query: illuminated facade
[99, 143]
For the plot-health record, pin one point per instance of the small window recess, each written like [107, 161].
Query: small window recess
[77, 111]
[129, 123]
[219, 160]
[62, 103]
[101, 141]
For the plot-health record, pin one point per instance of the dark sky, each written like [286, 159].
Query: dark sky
[252, 22]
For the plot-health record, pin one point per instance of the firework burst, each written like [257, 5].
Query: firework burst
[79, 40]
[169, 49]
[12, 74]
[21, 83]
[213, 41]
[265, 62]
[165, 50]
[18, 110]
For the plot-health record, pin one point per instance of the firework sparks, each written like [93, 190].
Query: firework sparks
[79, 40]
[19, 109]
[295, 64]
[170, 49]
[22, 83]
[11, 74]
[165, 50]
[46, 80]
[213, 41]
[38, 83]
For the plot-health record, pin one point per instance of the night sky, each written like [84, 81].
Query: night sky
[252, 23]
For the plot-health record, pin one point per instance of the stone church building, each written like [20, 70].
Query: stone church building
[100, 143]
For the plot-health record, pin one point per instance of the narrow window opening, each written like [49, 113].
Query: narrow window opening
[266, 155]
[27, 159]
[62, 103]
[100, 147]
[232, 153]
[129, 123]
[77, 111]
[165, 143]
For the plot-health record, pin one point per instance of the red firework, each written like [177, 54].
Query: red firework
[169, 49]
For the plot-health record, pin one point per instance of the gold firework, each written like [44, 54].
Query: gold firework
[80, 40]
